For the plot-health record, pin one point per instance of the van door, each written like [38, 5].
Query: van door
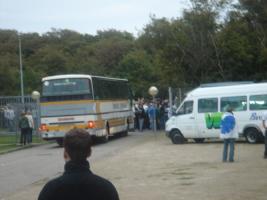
[186, 119]
[208, 118]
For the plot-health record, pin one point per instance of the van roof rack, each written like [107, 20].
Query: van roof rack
[224, 84]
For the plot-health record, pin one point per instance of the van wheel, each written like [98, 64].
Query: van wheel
[252, 135]
[177, 137]
[199, 140]
[60, 142]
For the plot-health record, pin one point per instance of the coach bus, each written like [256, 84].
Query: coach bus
[100, 105]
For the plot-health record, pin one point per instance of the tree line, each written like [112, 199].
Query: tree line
[213, 41]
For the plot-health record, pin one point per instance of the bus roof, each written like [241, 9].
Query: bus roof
[78, 76]
[235, 89]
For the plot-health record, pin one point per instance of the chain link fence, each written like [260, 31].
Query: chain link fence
[11, 108]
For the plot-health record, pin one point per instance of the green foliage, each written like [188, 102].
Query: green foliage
[214, 40]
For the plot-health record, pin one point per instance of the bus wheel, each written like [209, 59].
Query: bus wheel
[252, 135]
[177, 137]
[199, 140]
[125, 133]
[104, 139]
[60, 142]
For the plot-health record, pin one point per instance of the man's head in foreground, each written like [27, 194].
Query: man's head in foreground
[77, 145]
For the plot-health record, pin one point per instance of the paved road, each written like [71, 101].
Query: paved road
[148, 166]
[22, 168]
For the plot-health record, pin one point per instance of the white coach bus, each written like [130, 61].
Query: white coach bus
[199, 115]
[100, 105]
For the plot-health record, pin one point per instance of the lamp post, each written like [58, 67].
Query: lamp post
[36, 96]
[21, 72]
[153, 91]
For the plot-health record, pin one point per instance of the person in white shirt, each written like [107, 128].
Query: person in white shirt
[9, 115]
[31, 127]
[264, 124]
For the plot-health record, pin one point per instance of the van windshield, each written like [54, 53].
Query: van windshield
[186, 108]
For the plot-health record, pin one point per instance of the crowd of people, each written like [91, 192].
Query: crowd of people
[7, 118]
[151, 115]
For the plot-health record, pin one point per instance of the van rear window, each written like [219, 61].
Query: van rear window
[258, 102]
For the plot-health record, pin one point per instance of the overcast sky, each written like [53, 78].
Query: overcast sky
[85, 16]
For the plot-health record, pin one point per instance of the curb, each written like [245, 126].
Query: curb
[22, 147]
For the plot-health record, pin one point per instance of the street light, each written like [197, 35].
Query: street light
[21, 72]
[36, 96]
[153, 91]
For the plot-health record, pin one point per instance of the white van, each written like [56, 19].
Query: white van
[199, 115]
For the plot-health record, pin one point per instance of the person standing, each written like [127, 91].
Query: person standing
[24, 128]
[264, 124]
[141, 116]
[136, 121]
[78, 181]
[10, 115]
[146, 120]
[152, 116]
[31, 126]
[229, 134]
[162, 116]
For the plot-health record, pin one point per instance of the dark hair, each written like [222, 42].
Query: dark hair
[229, 108]
[77, 143]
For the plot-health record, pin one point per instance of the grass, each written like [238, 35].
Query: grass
[6, 148]
[10, 142]
[6, 139]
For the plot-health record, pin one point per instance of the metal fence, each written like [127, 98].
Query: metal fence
[178, 94]
[11, 108]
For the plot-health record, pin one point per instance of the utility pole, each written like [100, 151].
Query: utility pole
[21, 73]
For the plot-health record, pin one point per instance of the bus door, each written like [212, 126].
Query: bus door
[186, 119]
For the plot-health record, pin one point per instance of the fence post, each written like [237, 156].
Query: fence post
[170, 101]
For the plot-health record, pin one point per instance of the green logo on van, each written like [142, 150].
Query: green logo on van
[213, 120]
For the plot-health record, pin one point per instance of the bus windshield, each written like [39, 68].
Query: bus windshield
[67, 86]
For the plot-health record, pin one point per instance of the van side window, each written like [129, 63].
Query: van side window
[186, 108]
[208, 105]
[237, 103]
[258, 102]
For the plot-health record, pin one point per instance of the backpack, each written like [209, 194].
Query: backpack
[24, 122]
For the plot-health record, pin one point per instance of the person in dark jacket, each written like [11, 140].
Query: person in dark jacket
[141, 116]
[24, 128]
[78, 182]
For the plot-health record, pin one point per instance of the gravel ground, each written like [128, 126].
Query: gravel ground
[156, 169]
